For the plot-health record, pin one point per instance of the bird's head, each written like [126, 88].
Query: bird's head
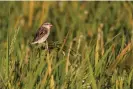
[47, 25]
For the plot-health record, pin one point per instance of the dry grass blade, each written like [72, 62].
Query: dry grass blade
[65, 39]
[99, 44]
[31, 11]
[67, 59]
[118, 58]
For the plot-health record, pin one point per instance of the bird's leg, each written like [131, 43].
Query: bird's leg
[47, 45]
[43, 46]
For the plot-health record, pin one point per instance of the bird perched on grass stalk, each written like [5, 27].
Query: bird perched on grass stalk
[42, 33]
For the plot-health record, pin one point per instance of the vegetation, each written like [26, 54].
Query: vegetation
[90, 45]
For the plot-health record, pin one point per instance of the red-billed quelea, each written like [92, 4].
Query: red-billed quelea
[42, 33]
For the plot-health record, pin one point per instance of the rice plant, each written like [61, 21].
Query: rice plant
[90, 45]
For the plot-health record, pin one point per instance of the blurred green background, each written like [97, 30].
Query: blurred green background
[92, 45]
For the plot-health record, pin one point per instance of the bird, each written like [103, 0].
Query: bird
[42, 33]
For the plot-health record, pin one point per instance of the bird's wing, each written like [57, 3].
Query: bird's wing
[40, 33]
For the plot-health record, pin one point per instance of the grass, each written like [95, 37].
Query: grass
[90, 45]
